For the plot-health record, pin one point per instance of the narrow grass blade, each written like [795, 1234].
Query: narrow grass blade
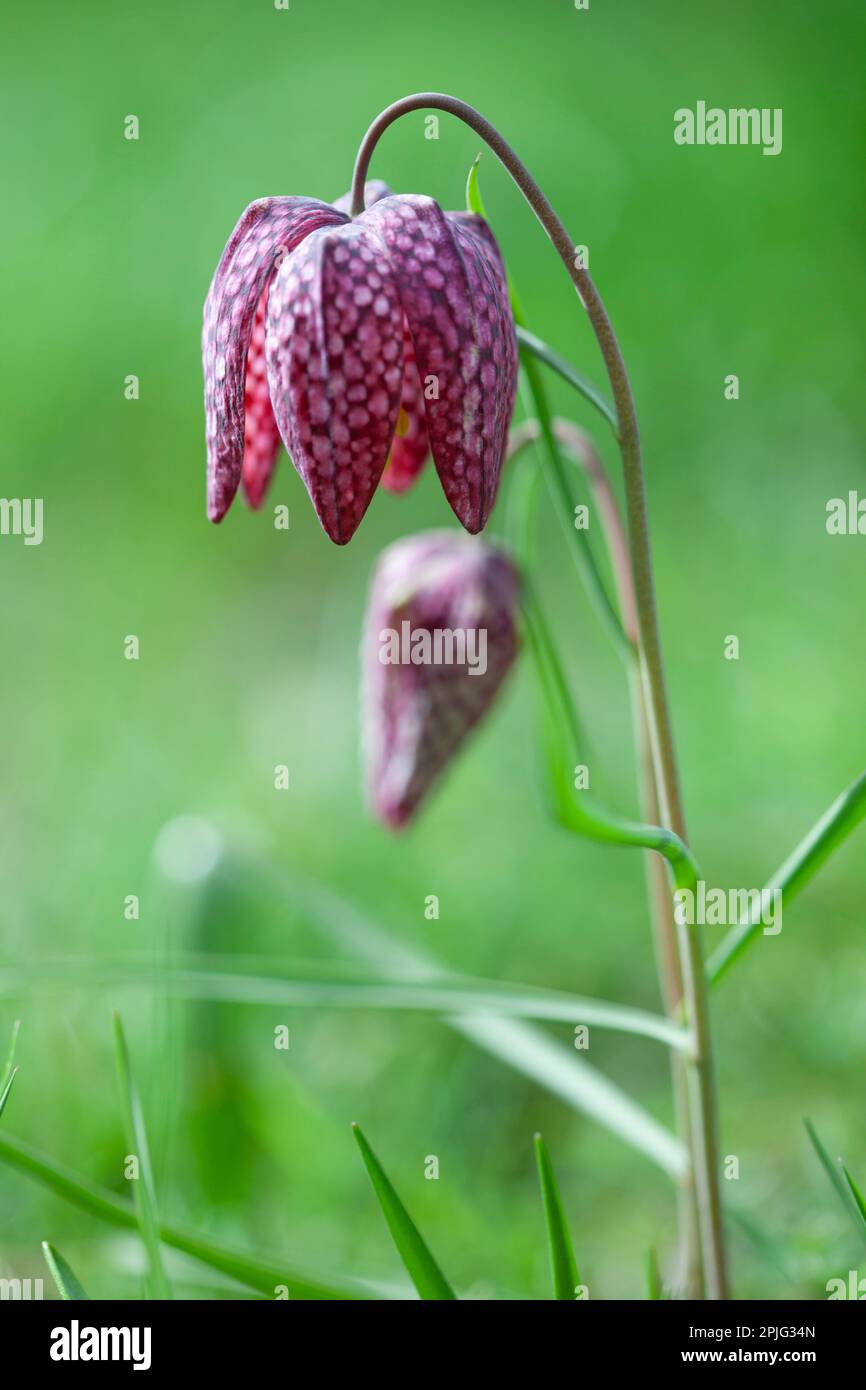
[492, 1023]
[563, 1267]
[143, 1186]
[859, 1199]
[211, 978]
[517, 1044]
[828, 1165]
[561, 1071]
[262, 1275]
[473, 192]
[843, 1186]
[530, 343]
[67, 1285]
[4, 1093]
[837, 823]
[654, 1285]
[9, 1066]
[559, 729]
[411, 1247]
[9, 1070]
[768, 1247]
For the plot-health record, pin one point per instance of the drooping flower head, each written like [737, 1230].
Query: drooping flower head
[440, 637]
[357, 341]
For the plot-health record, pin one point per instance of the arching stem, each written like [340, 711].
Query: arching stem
[701, 1094]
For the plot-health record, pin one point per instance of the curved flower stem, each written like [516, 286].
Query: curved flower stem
[579, 445]
[701, 1089]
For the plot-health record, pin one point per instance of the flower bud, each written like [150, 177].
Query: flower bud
[440, 637]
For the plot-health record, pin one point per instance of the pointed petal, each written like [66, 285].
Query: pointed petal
[261, 432]
[418, 713]
[334, 348]
[411, 444]
[452, 287]
[267, 230]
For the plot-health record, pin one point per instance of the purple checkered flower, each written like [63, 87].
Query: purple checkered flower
[358, 342]
[440, 638]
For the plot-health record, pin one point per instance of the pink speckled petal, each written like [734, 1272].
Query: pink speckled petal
[411, 444]
[416, 716]
[268, 229]
[452, 287]
[334, 348]
[374, 190]
[261, 432]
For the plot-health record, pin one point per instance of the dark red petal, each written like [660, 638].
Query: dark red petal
[267, 230]
[261, 432]
[452, 287]
[411, 445]
[334, 348]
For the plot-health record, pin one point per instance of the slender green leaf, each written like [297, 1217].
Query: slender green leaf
[4, 1093]
[654, 1285]
[10, 1070]
[223, 983]
[517, 1044]
[143, 1186]
[828, 1165]
[10, 1056]
[842, 1185]
[411, 1247]
[263, 1275]
[522, 1046]
[536, 347]
[67, 1285]
[768, 1246]
[473, 192]
[837, 823]
[578, 811]
[563, 1267]
[859, 1199]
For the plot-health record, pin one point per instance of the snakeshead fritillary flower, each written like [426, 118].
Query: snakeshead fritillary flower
[440, 637]
[352, 316]
[411, 446]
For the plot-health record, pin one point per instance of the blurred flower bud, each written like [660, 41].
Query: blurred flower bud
[440, 637]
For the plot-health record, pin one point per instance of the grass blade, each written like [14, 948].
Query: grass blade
[217, 981]
[411, 1247]
[836, 824]
[519, 1045]
[259, 1274]
[4, 1093]
[530, 343]
[844, 1187]
[10, 1056]
[67, 1285]
[654, 1286]
[828, 1165]
[143, 1189]
[10, 1070]
[563, 1267]
[859, 1199]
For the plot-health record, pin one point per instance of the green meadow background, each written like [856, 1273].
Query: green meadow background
[712, 261]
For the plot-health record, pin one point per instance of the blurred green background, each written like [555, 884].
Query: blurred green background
[711, 261]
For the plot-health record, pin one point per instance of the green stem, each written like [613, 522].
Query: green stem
[661, 903]
[701, 1086]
